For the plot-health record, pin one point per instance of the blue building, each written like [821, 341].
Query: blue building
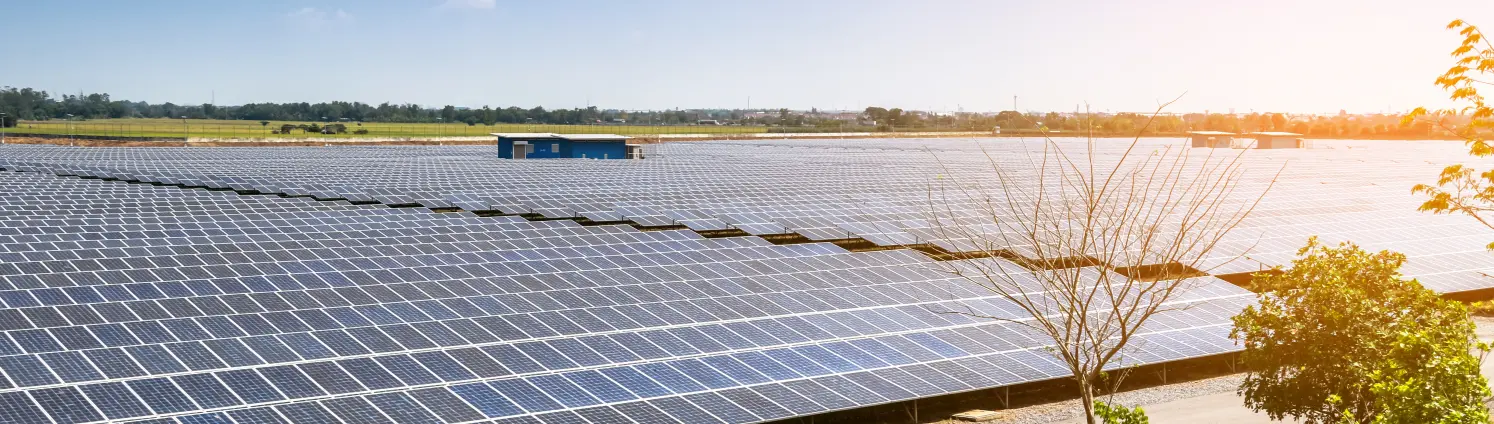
[575, 146]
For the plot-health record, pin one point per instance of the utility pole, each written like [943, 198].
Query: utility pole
[3, 129]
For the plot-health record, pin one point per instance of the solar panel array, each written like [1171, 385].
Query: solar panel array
[146, 303]
[876, 190]
[149, 302]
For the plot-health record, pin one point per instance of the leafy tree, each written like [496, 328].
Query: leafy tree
[1118, 414]
[894, 116]
[1341, 337]
[1278, 122]
[1011, 119]
[287, 128]
[313, 128]
[1459, 188]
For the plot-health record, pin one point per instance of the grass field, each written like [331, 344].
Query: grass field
[252, 129]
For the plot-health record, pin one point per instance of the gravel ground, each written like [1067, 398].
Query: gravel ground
[1071, 410]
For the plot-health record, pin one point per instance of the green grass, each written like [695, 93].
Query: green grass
[252, 129]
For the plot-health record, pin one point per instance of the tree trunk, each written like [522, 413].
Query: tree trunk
[1087, 397]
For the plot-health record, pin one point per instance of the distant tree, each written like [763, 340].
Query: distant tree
[1461, 189]
[313, 128]
[876, 114]
[1257, 122]
[1301, 128]
[287, 128]
[1011, 119]
[894, 117]
[1341, 337]
[1278, 122]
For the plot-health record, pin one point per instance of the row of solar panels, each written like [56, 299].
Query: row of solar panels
[243, 325]
[823, 190]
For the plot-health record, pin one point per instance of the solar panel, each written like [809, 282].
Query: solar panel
[151, 301]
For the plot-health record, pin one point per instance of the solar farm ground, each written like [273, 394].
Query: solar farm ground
[712, 282]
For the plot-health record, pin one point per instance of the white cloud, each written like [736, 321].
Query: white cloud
[313, 18]
[470, 4]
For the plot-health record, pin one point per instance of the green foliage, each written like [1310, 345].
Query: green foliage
[1343, 338]
[1460, 189]
[1118, 414]
[1483, 309]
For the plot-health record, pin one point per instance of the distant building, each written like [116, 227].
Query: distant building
[1211, 139]
[1276, 140]
[707, 122]
[555, 146]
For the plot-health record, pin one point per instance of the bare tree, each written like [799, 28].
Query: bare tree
[1093, 241]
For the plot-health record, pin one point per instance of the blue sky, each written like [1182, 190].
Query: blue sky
[1269, 55]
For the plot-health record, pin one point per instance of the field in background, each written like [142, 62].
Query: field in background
[204, 128]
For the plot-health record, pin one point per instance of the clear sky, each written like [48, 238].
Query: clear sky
[1268, 55]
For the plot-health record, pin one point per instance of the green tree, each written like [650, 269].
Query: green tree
[1341, 337]
[1460, 189]
[1118, 414]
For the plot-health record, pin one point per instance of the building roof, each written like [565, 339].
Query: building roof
[1276, 134]
[593, 137]
[570, 137]
[526, 135]
[1210, 133]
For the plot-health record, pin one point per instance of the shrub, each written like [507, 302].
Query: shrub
[1341, 337]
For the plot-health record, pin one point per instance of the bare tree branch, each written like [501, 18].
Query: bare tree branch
[1089, 245]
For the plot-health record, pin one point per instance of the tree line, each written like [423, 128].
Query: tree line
[31, 104]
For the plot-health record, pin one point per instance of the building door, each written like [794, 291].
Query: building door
[521, 151]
